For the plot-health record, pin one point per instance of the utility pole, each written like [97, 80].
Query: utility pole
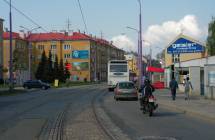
[140, 45]
[11, 52]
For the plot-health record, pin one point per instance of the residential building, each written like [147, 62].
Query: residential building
[87, 55]
[132, 63]
[20, 57]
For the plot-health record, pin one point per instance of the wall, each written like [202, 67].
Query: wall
[194, 73]
[208, 89]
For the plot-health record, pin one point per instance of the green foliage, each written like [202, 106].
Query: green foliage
[211, 38]
[61, 72]
[56, 69]
[20, 62]
[41, 69]
[49, 69]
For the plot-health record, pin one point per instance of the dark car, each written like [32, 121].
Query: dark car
[125, 90]
[35, 84]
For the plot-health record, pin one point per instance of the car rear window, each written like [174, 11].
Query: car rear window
[126, 85]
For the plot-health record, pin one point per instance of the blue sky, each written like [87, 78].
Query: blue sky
[112, 16]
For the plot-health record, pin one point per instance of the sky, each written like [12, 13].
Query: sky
[162, 21]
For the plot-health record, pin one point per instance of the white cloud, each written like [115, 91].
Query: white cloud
[123, 42]
[159, 36]
[162, 35]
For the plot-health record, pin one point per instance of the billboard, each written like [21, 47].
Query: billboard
[80, 54]
[183, 45]
[80, 66]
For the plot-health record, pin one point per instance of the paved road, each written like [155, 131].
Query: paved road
[49, 114]
[165, 123]
[68, 114]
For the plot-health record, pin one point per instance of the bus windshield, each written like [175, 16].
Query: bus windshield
[118, 68]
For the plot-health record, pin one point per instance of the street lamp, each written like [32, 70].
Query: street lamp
[138, 50]
[140, 44]
[11, 52]
[29, 49]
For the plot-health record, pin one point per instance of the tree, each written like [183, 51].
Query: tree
[211, 38]
[49, 71]
[56, 69]
[41, 69]
[61, 72]
[20, 62]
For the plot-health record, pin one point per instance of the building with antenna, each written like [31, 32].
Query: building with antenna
[87, 55]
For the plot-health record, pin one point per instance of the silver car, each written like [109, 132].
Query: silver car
[125, 90]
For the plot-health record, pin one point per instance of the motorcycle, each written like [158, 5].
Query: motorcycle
[149, 105]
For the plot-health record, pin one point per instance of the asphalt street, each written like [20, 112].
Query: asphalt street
[45, 106]
[67, 113]
[165, 123]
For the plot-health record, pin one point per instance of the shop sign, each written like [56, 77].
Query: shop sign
[183, 45]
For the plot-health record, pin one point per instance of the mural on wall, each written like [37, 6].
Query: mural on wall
[80, 54]
[80, 66]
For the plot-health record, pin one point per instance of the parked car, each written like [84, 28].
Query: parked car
[36, 84]
[125, 90]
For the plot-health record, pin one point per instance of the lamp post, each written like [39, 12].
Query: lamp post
[140, 45]
[29, 50]
[11, 52]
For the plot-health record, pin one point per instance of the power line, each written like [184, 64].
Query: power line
[27, 17]
[82, 16]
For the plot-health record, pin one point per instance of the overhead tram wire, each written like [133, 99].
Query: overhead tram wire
[82, 14]
[27, 17]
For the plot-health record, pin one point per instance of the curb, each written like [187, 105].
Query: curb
[189, 112]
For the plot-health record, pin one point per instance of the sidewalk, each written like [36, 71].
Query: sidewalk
[197, 106]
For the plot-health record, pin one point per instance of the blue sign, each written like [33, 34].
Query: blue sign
[80, 54]
[183, 45]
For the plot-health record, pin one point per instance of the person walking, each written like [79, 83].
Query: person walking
[173, 86]
[187, 87]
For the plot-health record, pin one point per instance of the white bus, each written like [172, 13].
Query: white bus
[118, 71]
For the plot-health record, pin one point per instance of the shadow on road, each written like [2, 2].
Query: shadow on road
[166, 114]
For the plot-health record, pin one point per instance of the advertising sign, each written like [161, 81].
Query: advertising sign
[80, 54]
[211, 78]
[183, 45]
[80, 66]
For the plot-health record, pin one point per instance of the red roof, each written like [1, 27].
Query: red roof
[6, 35]
[61, 36]
[46, 36]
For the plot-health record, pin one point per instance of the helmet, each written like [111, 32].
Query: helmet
[146, 81]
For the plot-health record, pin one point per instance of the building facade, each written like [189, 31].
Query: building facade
[20, 57]
[87, 55]
[132, 63]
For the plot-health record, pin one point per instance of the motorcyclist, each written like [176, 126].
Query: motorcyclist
[146, 90]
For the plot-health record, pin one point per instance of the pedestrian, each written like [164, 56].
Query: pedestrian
[187, 87]
[173, 86]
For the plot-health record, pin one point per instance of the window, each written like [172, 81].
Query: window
[53, 47]
[40, 47]
[67, 56]
[118, 68]
[126, 86]
[67, 47]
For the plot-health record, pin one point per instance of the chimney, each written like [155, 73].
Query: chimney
[66, 33]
